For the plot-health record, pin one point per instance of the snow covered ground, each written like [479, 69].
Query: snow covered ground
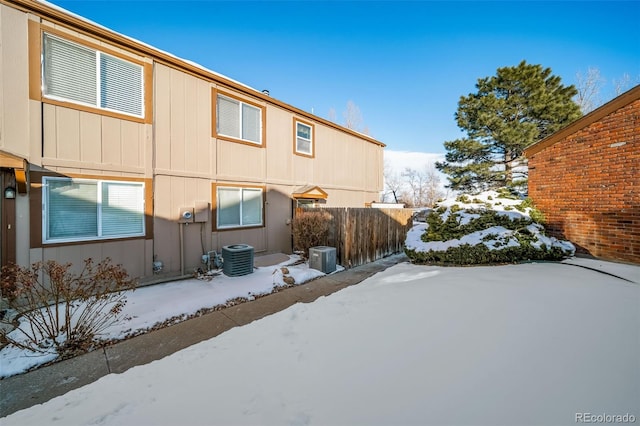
[148, 306]
[539, 343]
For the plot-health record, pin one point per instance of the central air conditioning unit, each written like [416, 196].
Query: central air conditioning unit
[323, 259]
[237, 260]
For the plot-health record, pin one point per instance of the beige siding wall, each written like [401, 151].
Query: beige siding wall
[342, 161]
[279, 150]
[171, 194]
[15, 124]
[14, 82]
[182, 105]
[86, 144]
[185, 161]
[240, 162]
[177, 153]
[131, 254]
[74, 139]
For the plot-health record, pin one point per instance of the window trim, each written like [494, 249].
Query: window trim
[214, 119]
[44, 208]
[36, 77]
[312, 140]
[214, 206]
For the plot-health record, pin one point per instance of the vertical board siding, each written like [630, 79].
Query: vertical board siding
[363, 235]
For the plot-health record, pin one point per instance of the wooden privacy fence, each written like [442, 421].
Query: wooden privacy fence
[362, 235]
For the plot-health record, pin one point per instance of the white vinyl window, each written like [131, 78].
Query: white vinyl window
[76, 73]
[304, 138]
[238, 120]
[238, 207]
[83, 209]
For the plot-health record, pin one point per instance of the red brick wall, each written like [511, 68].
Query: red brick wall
[588, 186]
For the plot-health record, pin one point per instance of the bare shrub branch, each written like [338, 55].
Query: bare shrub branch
[310, 229]
[59, 310]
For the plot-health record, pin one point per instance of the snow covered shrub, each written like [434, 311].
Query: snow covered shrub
[310, 229]
[484, 231]
[57, 310]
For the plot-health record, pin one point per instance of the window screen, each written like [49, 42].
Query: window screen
[78, 210]
[122, 208]
[238, 120]
[228, 117]
[72, 208]
[69, 71]
[251, 206]
[303, 138]
[229, 207]
[120, 85]
[250, 123]
[239, 207]
[72, 72]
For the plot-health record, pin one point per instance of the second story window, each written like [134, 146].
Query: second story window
[303, 138]
[76, 73]
[238, 120]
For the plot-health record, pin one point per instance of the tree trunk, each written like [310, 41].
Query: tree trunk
[508, 168]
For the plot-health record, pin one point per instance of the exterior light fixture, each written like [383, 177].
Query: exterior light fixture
[10, 193]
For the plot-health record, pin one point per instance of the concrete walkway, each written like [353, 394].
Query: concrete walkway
[39, 386]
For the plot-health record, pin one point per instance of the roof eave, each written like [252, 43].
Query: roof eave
[597, 114]
[63, 17]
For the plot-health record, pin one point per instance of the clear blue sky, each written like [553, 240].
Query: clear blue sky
[404, 64]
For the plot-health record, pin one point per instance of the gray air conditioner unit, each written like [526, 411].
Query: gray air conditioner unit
[237, 260]
[322, 258]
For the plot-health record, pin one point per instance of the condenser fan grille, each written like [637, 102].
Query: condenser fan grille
[237, 260]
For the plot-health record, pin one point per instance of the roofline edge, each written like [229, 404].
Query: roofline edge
[615, 104]
[96, 30]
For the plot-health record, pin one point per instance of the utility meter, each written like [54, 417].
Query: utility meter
[186, 215]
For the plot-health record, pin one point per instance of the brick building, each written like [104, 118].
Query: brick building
[585, 178]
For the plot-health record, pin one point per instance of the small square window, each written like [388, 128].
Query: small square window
[303, 138]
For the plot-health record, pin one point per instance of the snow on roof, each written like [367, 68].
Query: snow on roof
[136, 41]
[154, 51]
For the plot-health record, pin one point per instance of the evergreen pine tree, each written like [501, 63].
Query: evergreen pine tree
[510, 111]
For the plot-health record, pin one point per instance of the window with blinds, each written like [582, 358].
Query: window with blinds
[76, 73]
[239, 120]
[304, 138]
[79, 209]
[238, 207]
